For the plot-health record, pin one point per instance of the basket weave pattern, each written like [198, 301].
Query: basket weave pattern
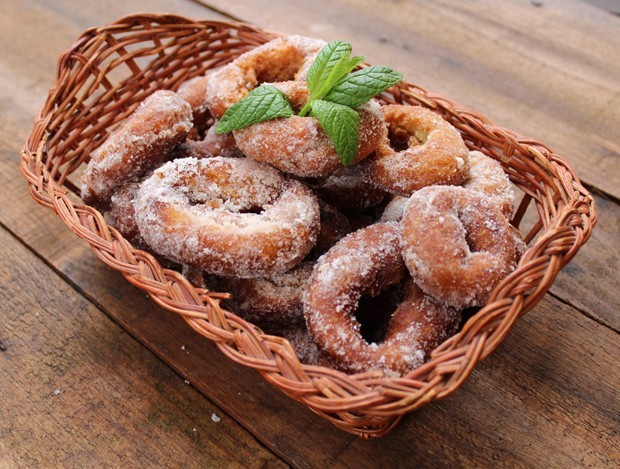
[103, 77]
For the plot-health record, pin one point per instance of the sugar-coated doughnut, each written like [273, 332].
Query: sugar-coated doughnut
[143, 140]
[305, 348]
[283, 59]
[194, 92]
[122, 213]
[334, 227]
[395, 208]
[420, 149]
[487, 176]
[365, 263]
[298, 145]
[457, 244]
[211, 145]
[347, 190]
[227, 216]
[268, 302]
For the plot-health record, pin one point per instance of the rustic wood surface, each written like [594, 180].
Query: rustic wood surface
[94, 374]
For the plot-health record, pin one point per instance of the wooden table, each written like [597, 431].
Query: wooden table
[94, 374]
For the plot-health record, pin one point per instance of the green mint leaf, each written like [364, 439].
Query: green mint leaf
[363, 85]
[341, 124]
[325, 61]
[263, 103]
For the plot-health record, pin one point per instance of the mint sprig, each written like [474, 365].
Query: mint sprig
[363, 85]
[331, 65]
[341, 125]
[263, 103]
[334, 93]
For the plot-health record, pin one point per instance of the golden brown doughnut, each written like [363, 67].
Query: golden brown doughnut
[122, 213]
[298, 145]
[211, 145]
[366, 263]
[283, 59]
[421, 149]
[144, 140]
[395, 208]
[487, 176]
[227, 216]
[347, 190]
[334, 227]
[194, 92]
[457, 244]
[305, 348]
[268, 302]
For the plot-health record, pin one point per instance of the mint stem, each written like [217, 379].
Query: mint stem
[304, 110]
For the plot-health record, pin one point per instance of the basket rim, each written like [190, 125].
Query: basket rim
[336, 395]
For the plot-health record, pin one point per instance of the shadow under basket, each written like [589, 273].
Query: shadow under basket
[104, 76]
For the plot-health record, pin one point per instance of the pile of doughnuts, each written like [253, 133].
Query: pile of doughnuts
[363, 268]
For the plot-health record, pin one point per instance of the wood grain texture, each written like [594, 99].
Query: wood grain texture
[548, 70]
[535, 395]
[77, 390]
[548, 396]
[593, 273]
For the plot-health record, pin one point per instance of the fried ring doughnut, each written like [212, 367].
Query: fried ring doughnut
[421, 149]
[334, 227]
[144, 140]
[227, 216]
[395, 208]
[211, 145]
[298, 145]
[268, 302]
[122, 213]
[457, 244]
[194, 92]
[347, 190]
[367, 262]
[487, 176]
[283, 59]
[305, 348]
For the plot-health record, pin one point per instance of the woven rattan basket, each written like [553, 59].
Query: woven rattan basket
[109, 70]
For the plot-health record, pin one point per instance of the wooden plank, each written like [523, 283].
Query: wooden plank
[592, 274]
[78, 391]
[557, 405]
[558, 83]
[590, 281]
[548, 386]
[611, 6]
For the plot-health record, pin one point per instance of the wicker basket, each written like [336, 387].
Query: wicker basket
[109, 70]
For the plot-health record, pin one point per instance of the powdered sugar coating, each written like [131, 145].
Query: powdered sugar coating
[211, 145]
[394, 210]
[143, 140]
[299, 145]
[305, 348]
[122, 214]
[435, 152]
[487, 176]
[194, 92]
[334, 227]
[457, 244]
[269, 301]
[347, 190]
[367, 262]
[199, 212]
[283, 59]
